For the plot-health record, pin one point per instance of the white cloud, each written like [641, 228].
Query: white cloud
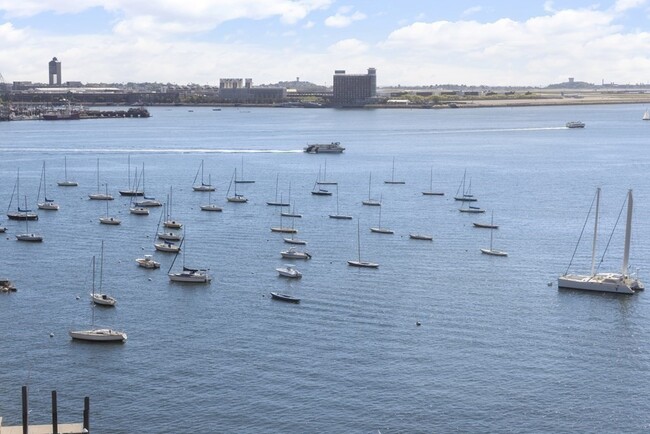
[343, 17]
[471, 11]
[348, 47]
[624, 5]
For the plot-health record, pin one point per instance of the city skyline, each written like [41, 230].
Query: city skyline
[410, 43]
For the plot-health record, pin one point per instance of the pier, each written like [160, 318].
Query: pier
[53, 428]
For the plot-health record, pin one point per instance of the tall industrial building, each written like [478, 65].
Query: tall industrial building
[354, 90]
[55, 72]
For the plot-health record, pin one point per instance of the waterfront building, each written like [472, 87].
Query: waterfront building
[238, 90]
[354, 90]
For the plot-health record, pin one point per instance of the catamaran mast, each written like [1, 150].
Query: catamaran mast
[593, 247]
[628, 232]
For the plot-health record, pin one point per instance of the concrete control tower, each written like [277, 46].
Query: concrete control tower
[55, 72]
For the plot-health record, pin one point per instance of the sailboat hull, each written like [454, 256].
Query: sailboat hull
[98, 335]
[363, 264]
[601, 282]
[22, 216]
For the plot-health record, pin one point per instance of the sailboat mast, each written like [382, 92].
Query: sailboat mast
[101, 267]
[628, 232]
[359, 240]
[369, 182]
[593, 247]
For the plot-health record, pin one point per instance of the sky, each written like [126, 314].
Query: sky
[409, 42]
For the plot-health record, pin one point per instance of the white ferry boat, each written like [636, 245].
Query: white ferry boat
[575, 124]
[329, 148]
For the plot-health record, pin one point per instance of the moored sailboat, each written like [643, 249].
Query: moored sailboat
[622, 282]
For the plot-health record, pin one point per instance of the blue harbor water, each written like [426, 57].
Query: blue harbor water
[500, 349]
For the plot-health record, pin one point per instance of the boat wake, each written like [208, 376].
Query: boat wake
[154, 150]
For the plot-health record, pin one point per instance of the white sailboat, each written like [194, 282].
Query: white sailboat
[370, 201]
[243, 180]
[108, 220]
[46, 204]
[202, 186]
[100, 297]
[392, 176]
[236, 198]
[98, 195]
[492, 251]
[623, 282]
[28, 236]
[338, 215]
[135, 208]
[66, 182]
[170, 222]
[188, 275]
[646, 115]
[431, 192]
[292, 211]
[147, 201]
[359, 262]
[379, 229]
[97, 334]
[211, 206]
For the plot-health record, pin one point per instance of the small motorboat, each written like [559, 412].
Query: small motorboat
[284, 297]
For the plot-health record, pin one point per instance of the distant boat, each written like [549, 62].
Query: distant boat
[170, 222]
[19, 214]
[66, 182]
[472, 209]
[98, 195]
[379, 229]
[491, 250]
[282, 228]
[623, 282]
[189, 275]
[324, 180]
[136, 208]
[329, 148]
[359, 262]
[490, 225]
[338, 215]
[131, 190]
[392, 176]
[236, 198]
[290, 271]
[100, 297]
[275, 201]
[146, 202]
[97, 334]
[318, 191]
[292, 253]
[47, 204]
[464, 194]
[28, 236]
[242, 180]
[211, 206]
[575, 124]
[167, 246]
[284, 297]
[430, 192]
[646, 115]
[370, 201]
[107, 220]
[202, 186]
[147, 262]
[423, 237]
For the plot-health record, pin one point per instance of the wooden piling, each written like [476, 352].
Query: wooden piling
[25, 412]
[55, 415]
[87, 414]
